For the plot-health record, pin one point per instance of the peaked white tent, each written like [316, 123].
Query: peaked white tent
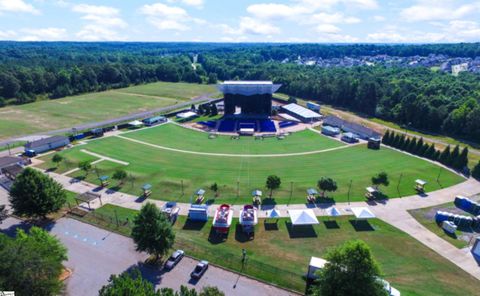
[303, 217]
[273, 214]
[333, 212]
[363, 213]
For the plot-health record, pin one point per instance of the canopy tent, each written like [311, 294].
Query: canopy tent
[273, 214]
[88, 197]
[333, 212]
[256, 193]
[200, 192]
[147, 189]
[312, 191]
[186, 115]
[303, 217]
[135, 123]
[363, 213]
[420, 182]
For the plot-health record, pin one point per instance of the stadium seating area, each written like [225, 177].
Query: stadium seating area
[285, 124]
[227, 125]
[210, 124]
[232, 125]
[267, 126]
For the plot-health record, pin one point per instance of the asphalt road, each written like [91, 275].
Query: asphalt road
[94, 254]
[112, 121]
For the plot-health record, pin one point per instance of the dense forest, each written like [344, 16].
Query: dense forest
[418, 97]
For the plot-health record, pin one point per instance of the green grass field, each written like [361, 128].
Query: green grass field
[175, 136]
[167, 170]
[55, 114]
[407, 264]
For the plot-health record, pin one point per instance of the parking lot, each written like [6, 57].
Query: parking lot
[94, 254]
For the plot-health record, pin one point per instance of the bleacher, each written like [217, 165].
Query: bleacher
[285, 124]
[267, 126]
[227, 126]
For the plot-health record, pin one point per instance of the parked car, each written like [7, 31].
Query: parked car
[200, 269]
[174, 259]
[171, 210]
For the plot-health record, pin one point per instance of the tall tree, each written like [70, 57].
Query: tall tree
[35, 194]
[445, 156]
[120, 175]
[85, 166]
[380, 179]
[476, 171]
[152, 231]
[273, 182]
[31, 263]
[57, 159]
[327, 184]
[350, 270]
[128, 283]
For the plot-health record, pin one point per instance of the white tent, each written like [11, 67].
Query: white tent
[363, 213]
[186, 115]
[333, 212]
[303, 217]
[273, 214]
[135, 123]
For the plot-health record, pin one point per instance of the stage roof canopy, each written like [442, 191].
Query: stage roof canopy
[248, 88]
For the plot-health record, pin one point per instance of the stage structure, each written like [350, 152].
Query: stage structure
[248, 99]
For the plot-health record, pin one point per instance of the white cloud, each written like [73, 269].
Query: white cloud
[334, 18]
[251, 26]
[194, 3]
[275, 10]
[17, 6]
[7, 35]
[327, 28]
[44, 34]
[103, 23]
[165, 17]
[438, 10]
[379, 18]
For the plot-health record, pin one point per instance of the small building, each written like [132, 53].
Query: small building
[361, 131]
[46, 144]
[7, 161]
[154, 120]
[314, 265]
[301, 113]
[12, 171]
[350, 138]
[198, 213]
[313, 106]
[97, 132]
[330, 131]
[374, 143]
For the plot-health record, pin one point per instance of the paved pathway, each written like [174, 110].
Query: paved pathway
[393, 211]
[94, 254]
[102, 157]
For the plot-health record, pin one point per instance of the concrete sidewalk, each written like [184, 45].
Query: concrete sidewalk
[392, 211]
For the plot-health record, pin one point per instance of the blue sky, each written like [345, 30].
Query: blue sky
[415, 21]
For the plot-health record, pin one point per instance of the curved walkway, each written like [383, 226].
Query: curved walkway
[394, 212]
[234, 155]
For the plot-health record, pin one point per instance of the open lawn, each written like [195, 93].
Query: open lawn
[175, 136]
[55, 114]
[426, 217]
[280, 255]
[168, 170]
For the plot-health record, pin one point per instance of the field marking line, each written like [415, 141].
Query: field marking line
[77, 169]
[232, 155]
[102, 157]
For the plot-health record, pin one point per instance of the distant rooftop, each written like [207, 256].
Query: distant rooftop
[301, 111]
[248, 87]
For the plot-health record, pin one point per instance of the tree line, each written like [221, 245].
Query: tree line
[453, 158]
[413, 97]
